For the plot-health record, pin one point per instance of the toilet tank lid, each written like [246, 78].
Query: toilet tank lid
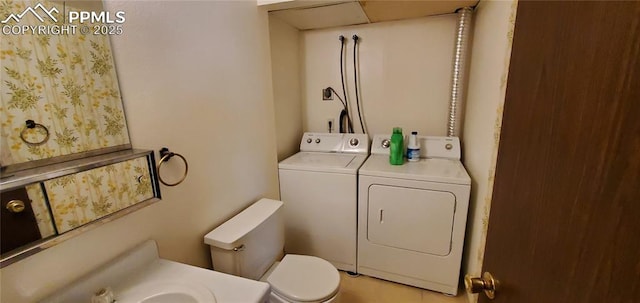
[227, 236]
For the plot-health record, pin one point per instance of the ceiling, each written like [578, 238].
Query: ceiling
[305, 14]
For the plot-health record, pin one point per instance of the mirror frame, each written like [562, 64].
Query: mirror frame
[41, 174]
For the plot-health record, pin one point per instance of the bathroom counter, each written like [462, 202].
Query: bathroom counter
[226, 288]
[140, 273]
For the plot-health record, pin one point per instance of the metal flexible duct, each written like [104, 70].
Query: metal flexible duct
[459, 71]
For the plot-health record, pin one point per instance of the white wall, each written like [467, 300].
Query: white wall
[195, 77]
[489, 66]
[285, 64]
[405, 74]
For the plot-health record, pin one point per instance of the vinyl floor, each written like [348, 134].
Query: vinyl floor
[364, 289]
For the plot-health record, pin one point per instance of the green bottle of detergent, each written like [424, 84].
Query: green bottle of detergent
[396, 151]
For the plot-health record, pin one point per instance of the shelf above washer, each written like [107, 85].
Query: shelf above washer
[305, 15]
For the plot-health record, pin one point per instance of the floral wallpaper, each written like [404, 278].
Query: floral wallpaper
[40, 210]
[496, 133]
[66, 82]
[86, 196]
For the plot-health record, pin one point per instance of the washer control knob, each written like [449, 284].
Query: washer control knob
[449, 146]
[318, 140]
[309, 140]
[353, 142]
[385, 143]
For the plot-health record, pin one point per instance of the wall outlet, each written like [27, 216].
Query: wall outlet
[331, 124]
[327, 94]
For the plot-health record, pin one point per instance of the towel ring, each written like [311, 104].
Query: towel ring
[30, 124]
[165, 155]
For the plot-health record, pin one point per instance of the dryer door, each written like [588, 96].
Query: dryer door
[421, 220]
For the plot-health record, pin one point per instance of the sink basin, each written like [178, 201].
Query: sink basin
[141, 276]
[166, 292]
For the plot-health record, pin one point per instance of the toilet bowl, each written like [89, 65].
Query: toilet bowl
[251, 243]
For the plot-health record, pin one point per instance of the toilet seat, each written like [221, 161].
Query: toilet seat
[301, 278]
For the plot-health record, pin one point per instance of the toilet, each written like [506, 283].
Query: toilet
[251, 243]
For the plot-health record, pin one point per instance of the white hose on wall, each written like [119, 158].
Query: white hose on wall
[458, 80]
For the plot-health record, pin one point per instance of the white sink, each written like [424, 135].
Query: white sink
[166, 292]
[140, 276]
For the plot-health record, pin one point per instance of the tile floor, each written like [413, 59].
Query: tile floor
[363, 289]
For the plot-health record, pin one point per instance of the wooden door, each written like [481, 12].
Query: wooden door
[20, 228]
[565, 216]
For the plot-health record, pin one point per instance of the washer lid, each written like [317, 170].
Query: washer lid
[324, 162]
[434, 170]
[305, 279]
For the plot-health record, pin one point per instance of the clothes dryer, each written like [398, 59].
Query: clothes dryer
[319, 188]
[412, 217]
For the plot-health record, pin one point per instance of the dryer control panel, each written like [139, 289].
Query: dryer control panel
[336, 143]
[430, 146]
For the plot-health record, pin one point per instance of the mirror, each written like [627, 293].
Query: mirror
[62, 80]
[69, 198]
[66, 162]
[25, 219]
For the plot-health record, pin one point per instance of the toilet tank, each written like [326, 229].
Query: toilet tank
[247, 244]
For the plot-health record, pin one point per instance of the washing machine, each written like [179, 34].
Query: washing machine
[412, 217]
[319, 188]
